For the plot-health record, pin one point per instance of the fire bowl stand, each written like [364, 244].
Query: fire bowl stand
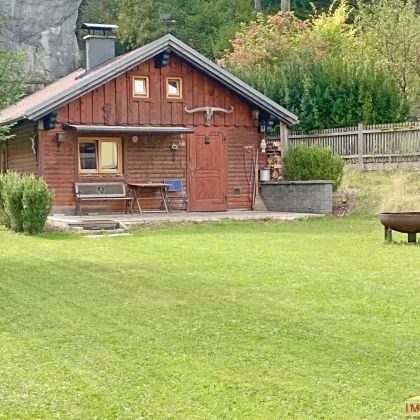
[412, 236]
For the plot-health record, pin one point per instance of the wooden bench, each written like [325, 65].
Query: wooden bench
[101, 192]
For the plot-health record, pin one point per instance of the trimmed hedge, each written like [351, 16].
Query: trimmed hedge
[25, 202]
[308, 163]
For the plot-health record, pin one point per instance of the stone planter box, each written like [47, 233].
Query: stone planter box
[298, 196]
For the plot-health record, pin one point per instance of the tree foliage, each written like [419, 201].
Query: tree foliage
[391, 31]
[207, 26]
[333, 65]
[317, 68]
[13, 83]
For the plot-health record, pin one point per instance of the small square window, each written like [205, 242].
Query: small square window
[140, 87]
[174, 88]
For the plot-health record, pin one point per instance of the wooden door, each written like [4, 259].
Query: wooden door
[207, 171]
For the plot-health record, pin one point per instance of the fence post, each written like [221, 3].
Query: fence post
[284, 138]
[360, 144]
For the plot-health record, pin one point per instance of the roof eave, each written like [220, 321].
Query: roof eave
[13, 120]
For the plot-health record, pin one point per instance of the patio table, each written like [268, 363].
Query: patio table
[137, 188]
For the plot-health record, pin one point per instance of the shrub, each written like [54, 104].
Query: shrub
[305, 163]
[3, 218]
[37, 202]
[12, 196]
[25, 202]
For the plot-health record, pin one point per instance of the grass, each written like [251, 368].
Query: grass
[385, 191]
[314, 319]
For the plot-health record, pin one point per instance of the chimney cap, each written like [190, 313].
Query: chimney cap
[98, 27]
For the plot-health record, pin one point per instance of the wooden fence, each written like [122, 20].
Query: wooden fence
[369, 147]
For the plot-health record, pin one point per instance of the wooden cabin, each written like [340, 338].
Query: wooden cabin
[162, 111]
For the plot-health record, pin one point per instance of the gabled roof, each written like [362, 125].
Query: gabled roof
[80, 82]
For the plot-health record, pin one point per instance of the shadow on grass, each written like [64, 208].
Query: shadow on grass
[401, 243]
[207, 227]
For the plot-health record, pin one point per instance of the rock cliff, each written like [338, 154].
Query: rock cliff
[45, 29]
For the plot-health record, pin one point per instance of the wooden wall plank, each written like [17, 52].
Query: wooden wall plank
[133, 112]
[86, 107]
[175, 65]
[143, 67]
[122, 100]
[144, 113]
[63, 114]
[248, 120]
[229, 102]
[239, 112]
[98, 101]
[219, 101]
[155, 97]
[187, 74]
[110, 102]
[177, 111]
[166, 113]
[198, 95]
[208, 92]
[74, 111]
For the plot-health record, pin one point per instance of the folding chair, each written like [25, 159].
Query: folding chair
[175, 186]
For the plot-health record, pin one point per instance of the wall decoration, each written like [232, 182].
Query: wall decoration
[35, 145]
[150, 143]
[209, 110]
[107, 111]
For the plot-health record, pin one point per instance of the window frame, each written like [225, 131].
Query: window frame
[99, 141]
[180, 88]
[147, 85]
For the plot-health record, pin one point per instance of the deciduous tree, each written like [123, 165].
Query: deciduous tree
[391, 31]
[316, 68]
[12, 83]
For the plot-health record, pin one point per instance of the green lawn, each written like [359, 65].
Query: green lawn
[313, 319]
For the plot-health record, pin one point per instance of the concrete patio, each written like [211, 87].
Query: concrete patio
[121, 220]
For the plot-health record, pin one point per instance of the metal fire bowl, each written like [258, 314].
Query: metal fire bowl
[408, 222]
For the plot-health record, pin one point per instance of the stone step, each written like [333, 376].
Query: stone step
[97, 226]
[102, 234]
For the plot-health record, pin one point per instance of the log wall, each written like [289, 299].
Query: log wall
[60, 165]
[19, 152]
[112, 104]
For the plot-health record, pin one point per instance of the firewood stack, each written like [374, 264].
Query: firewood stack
[274, 159]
